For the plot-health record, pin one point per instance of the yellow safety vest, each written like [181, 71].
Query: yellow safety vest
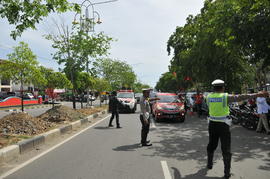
[218, 106]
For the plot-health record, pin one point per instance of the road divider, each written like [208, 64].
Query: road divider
[14, 151]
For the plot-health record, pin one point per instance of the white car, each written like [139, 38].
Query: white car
[28, 96]
[128, 101]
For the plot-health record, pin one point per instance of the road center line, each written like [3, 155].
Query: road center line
[166, 170]
[47, 151]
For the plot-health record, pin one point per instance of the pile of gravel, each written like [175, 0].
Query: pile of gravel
[23, 124]
[60, 114]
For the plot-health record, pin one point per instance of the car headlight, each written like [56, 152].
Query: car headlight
[159, 107]
[180, 108]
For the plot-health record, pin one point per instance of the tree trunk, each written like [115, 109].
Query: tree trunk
[22, 96]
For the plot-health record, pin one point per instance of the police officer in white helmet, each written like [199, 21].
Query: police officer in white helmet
[219, 123]
[145, 116]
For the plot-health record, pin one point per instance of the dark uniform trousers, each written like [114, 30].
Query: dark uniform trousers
[116, 114]
[145, 129]
[220, 130]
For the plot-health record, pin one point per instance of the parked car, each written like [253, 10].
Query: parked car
[128, 101]
[28, 96]
[91, 97]
[169, 107]
[138, 96]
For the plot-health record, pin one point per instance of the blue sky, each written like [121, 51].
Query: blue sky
[141, 29]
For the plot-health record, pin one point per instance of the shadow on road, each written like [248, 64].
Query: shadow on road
[131, 147]
[188, 140]
[104, 127]
[201, 174]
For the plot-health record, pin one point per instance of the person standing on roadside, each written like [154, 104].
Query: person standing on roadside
[145, 116]
[113, 107]
[219, 123]
[262, 110]
[198, 103]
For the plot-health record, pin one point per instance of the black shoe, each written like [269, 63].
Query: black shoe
[147, 145]
[118, 127]
[148, 141]
[110, 125]
[210, 160]
[227, 176]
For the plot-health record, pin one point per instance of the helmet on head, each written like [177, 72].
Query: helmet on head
[146, 89]
[218, 82]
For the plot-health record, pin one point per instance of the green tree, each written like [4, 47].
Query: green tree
[206, 47]
[75, 47]
[26, 14]
[84, 81]
[167, 83]
[102, 85]
[54, 80]
[22, 67]
[117, 73]
[138, 86]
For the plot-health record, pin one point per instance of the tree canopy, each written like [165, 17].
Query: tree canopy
[26, 14]
[117, 73]
[226, 40]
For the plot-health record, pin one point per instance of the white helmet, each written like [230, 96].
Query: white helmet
[218, 82]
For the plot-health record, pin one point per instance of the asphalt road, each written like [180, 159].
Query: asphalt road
[178, 151]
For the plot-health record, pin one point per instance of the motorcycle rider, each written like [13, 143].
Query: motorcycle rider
[219, 123]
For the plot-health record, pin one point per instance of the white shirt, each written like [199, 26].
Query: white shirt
[262, 106]
[145, 108]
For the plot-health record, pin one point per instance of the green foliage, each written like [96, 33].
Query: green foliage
[55, 79]
[117, 73]
[226, 40]
[102, 85]
[138, 86]
[26, 14]
[84, 81]
[22, 66]
[167, 83]
[74, 50]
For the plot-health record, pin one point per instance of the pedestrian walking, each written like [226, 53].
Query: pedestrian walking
[114, 108]
[145, 116]
[262, 110]
[219, 123]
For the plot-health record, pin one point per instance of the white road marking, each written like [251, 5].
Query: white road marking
[153, 124]
[166, 170]
[47, 151]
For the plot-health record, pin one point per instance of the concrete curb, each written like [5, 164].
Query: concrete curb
[14, 151]
[33, 107]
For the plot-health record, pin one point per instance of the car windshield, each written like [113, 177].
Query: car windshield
[125, 95]
[168, 99]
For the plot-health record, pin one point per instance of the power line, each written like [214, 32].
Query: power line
[9, 47]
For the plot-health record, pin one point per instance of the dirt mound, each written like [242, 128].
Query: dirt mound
[23, 124]
[89, 111]
[61, 113]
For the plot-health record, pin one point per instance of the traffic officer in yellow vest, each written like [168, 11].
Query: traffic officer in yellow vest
[219, 123]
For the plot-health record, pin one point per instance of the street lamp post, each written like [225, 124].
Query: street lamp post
[87, 24]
